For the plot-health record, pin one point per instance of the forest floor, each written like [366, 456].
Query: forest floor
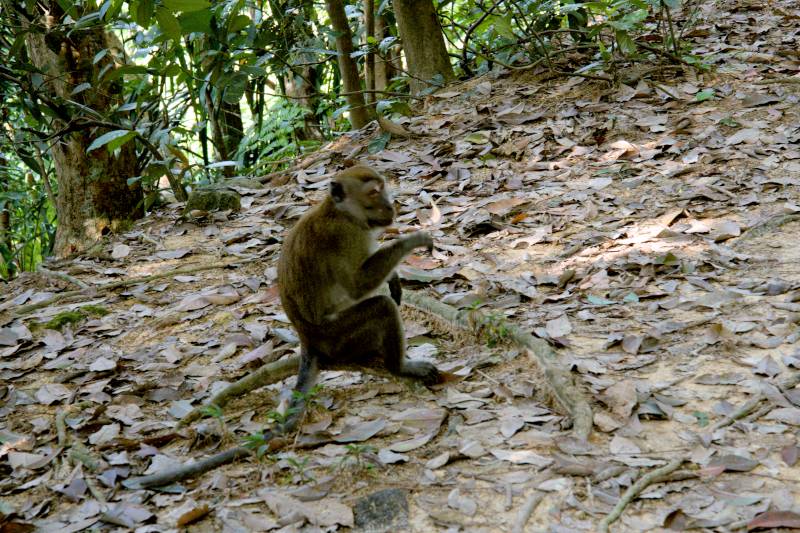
[648, 232]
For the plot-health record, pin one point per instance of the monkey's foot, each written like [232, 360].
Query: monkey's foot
[424, 371]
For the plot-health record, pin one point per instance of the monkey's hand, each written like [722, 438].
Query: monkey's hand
[420, 239]
[395, 288]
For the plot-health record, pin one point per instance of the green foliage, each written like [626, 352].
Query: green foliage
[538, 31]
[212, 411]
[358, 456]
[72, 317]
[62, 319]
[274, 140]
[216, 88]
[299, 467]
[495, 329]
[95, 310]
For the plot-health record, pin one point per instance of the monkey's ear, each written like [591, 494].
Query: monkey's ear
[337, 191]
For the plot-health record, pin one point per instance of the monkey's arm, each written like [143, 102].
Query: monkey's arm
[379, 266]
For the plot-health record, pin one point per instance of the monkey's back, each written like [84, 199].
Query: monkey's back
[315, 269]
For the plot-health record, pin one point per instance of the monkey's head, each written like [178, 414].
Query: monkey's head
[361, 192]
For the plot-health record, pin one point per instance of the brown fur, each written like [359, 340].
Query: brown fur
[329, 272]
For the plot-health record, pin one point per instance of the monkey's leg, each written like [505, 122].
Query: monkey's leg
[395, 288]
[370, 334]
[306, 378]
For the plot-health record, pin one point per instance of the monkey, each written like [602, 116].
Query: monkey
[329, 273]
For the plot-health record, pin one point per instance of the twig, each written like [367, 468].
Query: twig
[63, 277]
[472, 28]
[527, 510]
[772, 81]
[752, 404]
[767, 224]
[187, 470]
[748, 407]
[636, 489]
[665, 53]
[665, 9]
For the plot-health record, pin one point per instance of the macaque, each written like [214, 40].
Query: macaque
[330, 272]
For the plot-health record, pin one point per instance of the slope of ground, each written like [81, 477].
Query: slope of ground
[647, 232]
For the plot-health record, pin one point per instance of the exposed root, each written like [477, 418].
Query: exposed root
[637, 488]
[767, 225]
[565, 392]
[188, 470]
[63, 277]
[563, 388]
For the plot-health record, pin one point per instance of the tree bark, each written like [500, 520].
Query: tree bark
[303, 90]
[423, 42]
[6, 254]
[93, 194]
[369, 65]
[359, 113]
[382, 64]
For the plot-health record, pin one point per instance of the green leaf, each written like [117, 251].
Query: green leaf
[503, 26]
[598, 300]
[99, 55]
[668, 259]
[477, 138]
[80, 88]
[87, 21]
[114, 139]
[631, 297]
[168, 24]
[125, 69]
[379, 143]
[626, 44]
[186, 6]
[239, 22]
[144, 13]
[235, 88]
[196, 21]
[705, 94]
[702, 418]
[172, 70]
[110, 10]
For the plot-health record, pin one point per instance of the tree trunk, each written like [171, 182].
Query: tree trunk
[232, 126]
[359, 114]
[369, 37]
[93, 195]
[303, 90]
[382, 65]
[423, 42]
[6, 255]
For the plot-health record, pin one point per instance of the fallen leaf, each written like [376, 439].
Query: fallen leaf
[120, 251]
[771, 519]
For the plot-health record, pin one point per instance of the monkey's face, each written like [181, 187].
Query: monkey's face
[366, 198]
[378, 204]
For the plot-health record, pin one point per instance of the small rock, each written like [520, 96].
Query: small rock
[213, 200]
[382, 511]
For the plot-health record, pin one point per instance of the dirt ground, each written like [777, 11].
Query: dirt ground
[648, 232]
